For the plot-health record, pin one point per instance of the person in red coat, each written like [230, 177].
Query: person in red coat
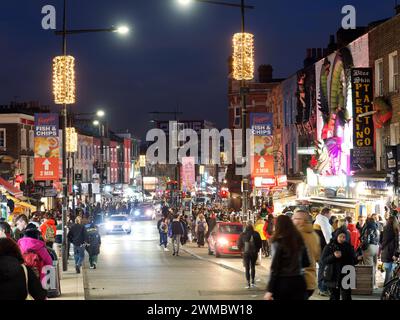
[354, 233]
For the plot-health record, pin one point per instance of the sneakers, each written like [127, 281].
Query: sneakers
[166, 249]
[248, 286]
[323, 293]
[78, 269]
[253, 285]
[94, 266]
[91, 267]
[173, 253]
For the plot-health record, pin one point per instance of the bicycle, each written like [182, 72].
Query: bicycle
[391, 289]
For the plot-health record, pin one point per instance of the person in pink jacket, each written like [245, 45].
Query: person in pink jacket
[31, 243]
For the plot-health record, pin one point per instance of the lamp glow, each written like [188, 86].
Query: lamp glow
[184, 2]
[72, 140]
[243, 56]
[96, 122]
[64, 79]
[123, 30]
[100, 113]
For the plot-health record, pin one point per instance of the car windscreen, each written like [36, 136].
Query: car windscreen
[231, 229]
[118, 219]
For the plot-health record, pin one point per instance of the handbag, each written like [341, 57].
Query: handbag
[28, 296]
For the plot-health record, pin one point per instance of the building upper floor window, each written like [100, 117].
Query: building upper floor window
[3, 139]
[23, 139]
[31, 140]
[394, 72]
[379, 78]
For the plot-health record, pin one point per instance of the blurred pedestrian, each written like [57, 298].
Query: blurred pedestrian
[370, 246]
[177, 231]
[201, 230]
[93, 244]
[259, 227]
[17, 281]
[5, 230]
[337, 254]
[77, 235]
[49, 230]
[250, 244]
[303, 221]
[389, 242]
[163, 229]
[289, 257]
[21, 223]
[354, 234]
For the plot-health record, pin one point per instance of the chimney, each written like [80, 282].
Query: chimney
[265, 73]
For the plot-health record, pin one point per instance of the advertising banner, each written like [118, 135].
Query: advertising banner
[363, 156]
[261, 125]
[188, 173]
[47, 147]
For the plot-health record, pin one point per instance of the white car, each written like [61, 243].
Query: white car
[118, 223]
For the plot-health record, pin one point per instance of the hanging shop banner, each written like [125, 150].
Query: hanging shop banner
[261, 125]
[363, 156]
[47, 147]
[188, 173]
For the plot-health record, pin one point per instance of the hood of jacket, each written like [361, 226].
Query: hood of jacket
[9, 268]
[50, 222]
[306, 228]
[30, 244]
[351, 227]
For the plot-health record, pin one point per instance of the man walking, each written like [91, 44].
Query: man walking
[324, 230]
[177, 232]
[250, 244]
[303, 222]
[78, 237]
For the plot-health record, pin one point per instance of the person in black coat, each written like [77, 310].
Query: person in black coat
[14, 284]
[77, 235]
[389, 242]
[94, 243]
[337, 254]
[250, 244]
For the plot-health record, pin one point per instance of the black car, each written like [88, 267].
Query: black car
[143, 211]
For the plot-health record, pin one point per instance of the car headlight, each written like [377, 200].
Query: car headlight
[223, 242]
[126, 226]
[149, 213]
[109, 226]
[137, 213]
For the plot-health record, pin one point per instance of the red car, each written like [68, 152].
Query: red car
[223, 239]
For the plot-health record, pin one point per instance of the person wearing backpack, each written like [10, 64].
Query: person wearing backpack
[250, 244]
[34, 251]
[370, 245]
[201, 230]
[163, 230]
[18, 282]
[94, 241]
[49, 230]
[77, 235]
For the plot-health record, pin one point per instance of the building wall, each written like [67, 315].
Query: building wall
[113, 162]
[384, 40]
[84, 158]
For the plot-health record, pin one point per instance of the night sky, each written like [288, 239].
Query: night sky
[173, 56]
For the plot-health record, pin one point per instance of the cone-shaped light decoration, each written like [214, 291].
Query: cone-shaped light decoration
[243, 56]
[64, 79]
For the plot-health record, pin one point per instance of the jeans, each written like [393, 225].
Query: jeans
[79, 254]
[321, 283]
[163, 239]
[249, 262]
[176, 242]
[370, 258]
[93, 260]
[389, 268]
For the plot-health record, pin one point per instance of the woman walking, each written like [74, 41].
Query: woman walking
[289, 257]
[389, 243]
[201, 230]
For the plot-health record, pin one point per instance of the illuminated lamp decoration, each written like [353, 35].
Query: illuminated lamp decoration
[64, 79]
[243, 56]
[72, 140]
[383, 112]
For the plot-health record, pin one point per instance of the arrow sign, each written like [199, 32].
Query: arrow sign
[46, 163]
[262, 162]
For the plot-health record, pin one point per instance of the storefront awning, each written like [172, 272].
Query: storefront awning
[370, 176]
[338, 202]
[10, 188]
[20, 203]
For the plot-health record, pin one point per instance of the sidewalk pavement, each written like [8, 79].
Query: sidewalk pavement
[72, 284]
[262, 270]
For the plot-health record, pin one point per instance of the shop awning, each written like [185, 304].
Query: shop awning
[338, 202]
[20, 203]
[10, 188]
[370, 176]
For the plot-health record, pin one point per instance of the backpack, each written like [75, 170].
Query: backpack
[33, 261]
[50, 236]
[250, 246]
[270, 228]
[163, 227]
[200, 226]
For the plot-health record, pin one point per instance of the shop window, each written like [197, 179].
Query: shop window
[23, 139]
[379, 78]
[3, 139]
[393, 72]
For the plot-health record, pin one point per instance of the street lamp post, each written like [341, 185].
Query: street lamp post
[64, 121]
[243, 87]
